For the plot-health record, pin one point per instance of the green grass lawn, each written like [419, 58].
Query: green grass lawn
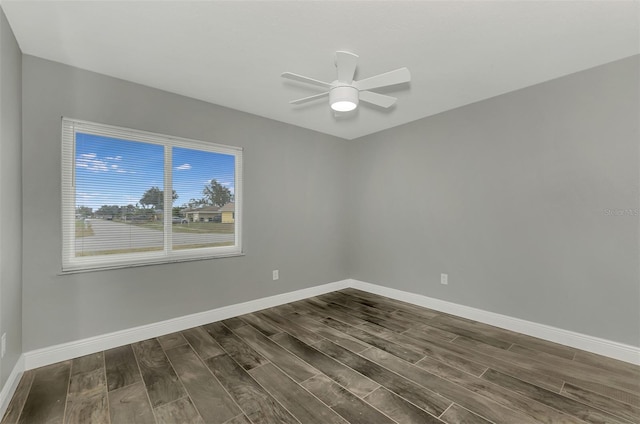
[191, 227]
[83, 229]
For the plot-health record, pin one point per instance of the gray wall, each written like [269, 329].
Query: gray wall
[293, 182]
[508, 196]
[10, 197]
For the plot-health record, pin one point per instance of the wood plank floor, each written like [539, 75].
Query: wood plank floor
[344, 357]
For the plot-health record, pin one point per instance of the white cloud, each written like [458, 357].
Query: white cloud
[95, 165]
[183, 167]
[86, 195]
[91, 162]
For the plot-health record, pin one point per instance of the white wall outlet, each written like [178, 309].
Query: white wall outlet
[276, 274]
[444, 278]
[3, 348]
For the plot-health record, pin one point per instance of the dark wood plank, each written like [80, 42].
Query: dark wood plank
[87, 363]
[386, 304]
[413, 318]
[606, 363]
[552, 399]
[398, 409]
[87, 375]
[241, 352]
[354, 382]
[122, 367]
[394, 319]
[290, 327]
[548, 381]
[287, 362]
[457, 414]
[539, 344]
[281, 310]
[88, 408]
[543, 363]
[208, 396]
[322, 310]
[484, 407]
[180, 411]
[338, 337]
[611, 392]
[431, 331]
[377, 318]
[202, 342]
[46, 400]
[399, 305]
[256, 403]
[233, 323]
[158, 375]
[418, 395]
[19, 397]
[240, 419]
[624, 381]
[87, 395]
[356, 302]
[260, 324]
[508, 336]
[426, 348]
[172, 340]
[535, 410]
[617, 408]
[305, 407]
[130, 405]
[404, 352]
[347, 405]
[446, 324]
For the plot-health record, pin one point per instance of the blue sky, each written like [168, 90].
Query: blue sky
[111, 171]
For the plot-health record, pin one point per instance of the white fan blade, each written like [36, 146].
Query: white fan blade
[377, 99]
[308, 99]
[346, 63]
[388, 78]
[300, 78]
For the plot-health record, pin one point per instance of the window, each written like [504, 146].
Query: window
[116, 210]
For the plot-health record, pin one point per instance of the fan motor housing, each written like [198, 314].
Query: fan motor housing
[343, 98]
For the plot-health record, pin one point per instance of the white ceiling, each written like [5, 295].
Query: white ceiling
[232, 53]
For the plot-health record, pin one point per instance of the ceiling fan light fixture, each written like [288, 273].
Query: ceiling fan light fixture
[343, 98]
[344, 93]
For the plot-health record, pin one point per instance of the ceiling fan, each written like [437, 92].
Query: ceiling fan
[345, 93]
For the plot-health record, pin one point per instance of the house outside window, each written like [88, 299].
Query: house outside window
[116, 207]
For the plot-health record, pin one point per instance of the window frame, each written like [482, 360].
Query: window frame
[71, 263]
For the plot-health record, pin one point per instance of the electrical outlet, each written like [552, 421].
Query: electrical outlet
[3, 348]
[444, 279]
[276, 274]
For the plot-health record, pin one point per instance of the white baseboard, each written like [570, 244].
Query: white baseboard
[11, 385]
[65, 351]
[70, 350]
[592, 344]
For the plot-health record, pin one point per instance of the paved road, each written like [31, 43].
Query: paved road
[109, 235]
